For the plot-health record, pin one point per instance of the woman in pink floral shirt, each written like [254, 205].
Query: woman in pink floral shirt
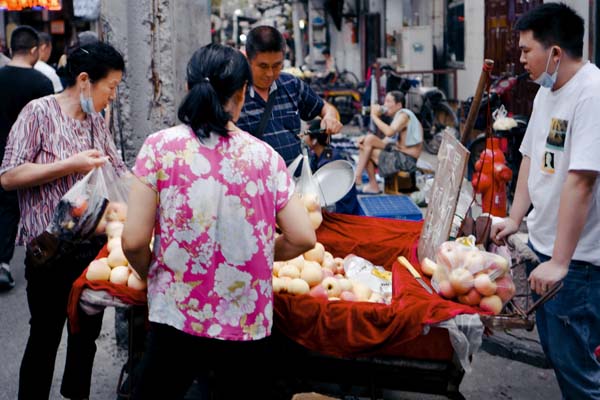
[212, 194]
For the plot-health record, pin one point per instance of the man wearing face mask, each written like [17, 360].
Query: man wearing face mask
[20, 84]
[558, 176]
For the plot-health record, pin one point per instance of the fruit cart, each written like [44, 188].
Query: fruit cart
[346, 348]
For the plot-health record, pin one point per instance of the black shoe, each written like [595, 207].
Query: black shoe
[6, 280]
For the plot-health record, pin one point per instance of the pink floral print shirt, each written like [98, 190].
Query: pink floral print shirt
[215, 231]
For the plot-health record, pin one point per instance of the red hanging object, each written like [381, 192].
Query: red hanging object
[491, 177]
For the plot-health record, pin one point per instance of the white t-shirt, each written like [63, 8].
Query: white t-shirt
[564, 134]
[51, 74]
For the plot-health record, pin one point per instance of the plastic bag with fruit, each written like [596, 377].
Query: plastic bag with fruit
[308, 189]
[471, 276]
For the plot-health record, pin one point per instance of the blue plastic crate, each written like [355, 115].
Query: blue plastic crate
[389, 206]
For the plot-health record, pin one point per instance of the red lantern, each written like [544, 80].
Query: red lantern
[491, 177]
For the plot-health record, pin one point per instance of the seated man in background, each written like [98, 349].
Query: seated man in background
[322, 153]
[400, 148]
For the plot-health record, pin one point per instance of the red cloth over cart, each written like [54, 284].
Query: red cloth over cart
[354, 329]
[122, 292]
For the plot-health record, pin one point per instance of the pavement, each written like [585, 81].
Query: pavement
[492, 377]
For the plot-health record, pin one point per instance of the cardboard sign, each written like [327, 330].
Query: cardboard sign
[452, 163]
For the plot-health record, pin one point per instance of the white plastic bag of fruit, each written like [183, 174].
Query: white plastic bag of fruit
[470, 276]
[308, 189]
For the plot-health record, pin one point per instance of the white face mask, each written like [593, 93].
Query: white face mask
[87, 102]
[545, 79]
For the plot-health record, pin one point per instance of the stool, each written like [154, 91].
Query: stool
[401, 182]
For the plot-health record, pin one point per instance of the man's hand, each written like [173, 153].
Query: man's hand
[503, 229]
[545, 275]
[331, 125]
[87, 160]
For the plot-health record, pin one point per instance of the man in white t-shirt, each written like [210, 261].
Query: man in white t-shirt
[558, 176]
[45, 53]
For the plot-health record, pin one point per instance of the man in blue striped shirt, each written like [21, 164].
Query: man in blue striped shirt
[294, 100]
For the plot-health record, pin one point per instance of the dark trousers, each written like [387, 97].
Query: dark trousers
[48, 289]
[9, 223]
[173, 359]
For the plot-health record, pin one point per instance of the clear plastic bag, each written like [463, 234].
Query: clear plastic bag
[473, 277]
[375, 277]
[80, 211]
[308, 189]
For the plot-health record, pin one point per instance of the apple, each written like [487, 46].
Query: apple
[119, 275]
[472, 298]
[461, 280]
[319, 292]
[446, 289]
[113, 229]
[362, 291]
[428, 266]
[277, 266]
[298, 262]
[505, 288]
[117, 257]
[328, 262]
[312, 274]
[289, 270]
[135, 282]
[298, 286]
[345, 284]
[113, 243]
[327, 273]
[280, 285]
[347, 295]
[116, 211]
[311, 201]
[491, 303]
[316, 218]
[498, 263]
[315, 254]
[98, 271]
[332, 286]
[473, 261]
[484, 284]
[449, 254]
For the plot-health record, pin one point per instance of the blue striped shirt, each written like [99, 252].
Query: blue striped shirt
[294, 100]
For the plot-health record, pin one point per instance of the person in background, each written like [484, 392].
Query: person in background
[401, 146]
[211, 195]
[42, 66]
[3, 58]
[20, 84]
[55, 141]
[559, 177]
[323, 153]
[292, 99]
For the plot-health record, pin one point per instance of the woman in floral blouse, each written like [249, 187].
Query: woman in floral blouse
[212, 194]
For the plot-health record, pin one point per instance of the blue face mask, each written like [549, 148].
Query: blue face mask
[545, 79]
[87, 103]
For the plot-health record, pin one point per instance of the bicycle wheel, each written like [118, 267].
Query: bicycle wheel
[435, 120]
[345, 106]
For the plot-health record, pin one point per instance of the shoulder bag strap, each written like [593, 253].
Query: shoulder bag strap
[266, 115]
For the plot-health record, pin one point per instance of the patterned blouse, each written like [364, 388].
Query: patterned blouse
[43, 134]
[214, 231]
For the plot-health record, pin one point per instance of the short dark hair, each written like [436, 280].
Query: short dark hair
[45, 38]
[397, 95]
[97, 59]
[264, 39]
[214, 74]
[555, 24]
[23, 39]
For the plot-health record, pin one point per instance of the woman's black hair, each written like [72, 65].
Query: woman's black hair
[97, 59]
[214, 74]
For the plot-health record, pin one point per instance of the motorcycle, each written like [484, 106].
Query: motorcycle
[429, 105]
[510, 140]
